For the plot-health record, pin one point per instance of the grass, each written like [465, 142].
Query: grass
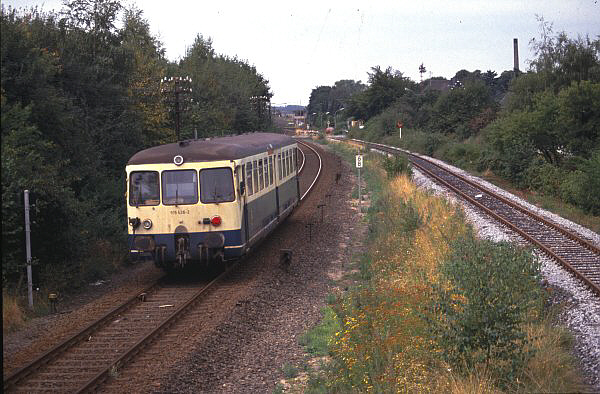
[465, 156]
[552, 368]
[382, 342]
[289, 371]
[16, 312]
[13, 315]
[316, 340]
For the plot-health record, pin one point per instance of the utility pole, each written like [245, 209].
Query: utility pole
[28, 250]
[177, 91]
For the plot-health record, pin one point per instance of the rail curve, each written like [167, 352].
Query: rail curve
[43, 373]
[318, 172]
[577, 255]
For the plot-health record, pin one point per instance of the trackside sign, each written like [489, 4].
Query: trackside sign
[359, 161]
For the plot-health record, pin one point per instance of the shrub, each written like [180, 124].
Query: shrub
[396, 165]
[463, 154]
[486, 292]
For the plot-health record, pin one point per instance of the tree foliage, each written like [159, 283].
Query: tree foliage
[386, 86]
[81, 94]
[550, 130]
[536, 129]
[330, 99]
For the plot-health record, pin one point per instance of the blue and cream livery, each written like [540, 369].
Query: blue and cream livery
[204, 201]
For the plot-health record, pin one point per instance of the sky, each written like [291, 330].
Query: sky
[299, 45]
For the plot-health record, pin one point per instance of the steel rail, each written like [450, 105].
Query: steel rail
[505, 200]
[515, 228]
[17, 376]
[130, 353]
[303, 161]
[584, 243]
[318, 172]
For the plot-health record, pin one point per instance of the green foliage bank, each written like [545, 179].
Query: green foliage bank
[79, 96]
[539, 130]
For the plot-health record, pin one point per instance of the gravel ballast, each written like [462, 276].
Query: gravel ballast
[582, 316]
[247, 351]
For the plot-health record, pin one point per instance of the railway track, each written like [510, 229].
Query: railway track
[577, 255]
[87, 360]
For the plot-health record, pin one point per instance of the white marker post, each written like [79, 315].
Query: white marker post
[359, 164]
[28, 250]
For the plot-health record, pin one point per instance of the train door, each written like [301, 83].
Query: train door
[242, 181]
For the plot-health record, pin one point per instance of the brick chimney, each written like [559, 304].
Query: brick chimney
[516, 53]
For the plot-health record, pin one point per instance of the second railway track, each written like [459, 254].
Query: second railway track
[577, 255]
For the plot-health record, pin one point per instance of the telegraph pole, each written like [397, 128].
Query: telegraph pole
[28, 250]
[177, 91]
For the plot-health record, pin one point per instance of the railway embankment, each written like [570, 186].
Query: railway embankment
[439, 304]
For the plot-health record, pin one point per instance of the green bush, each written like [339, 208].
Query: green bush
[544, 177]
[589, 182]
[464, 154]
[396, 165]
[487, 291]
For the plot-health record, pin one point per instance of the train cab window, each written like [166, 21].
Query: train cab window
[249, 179]
[261, 175]
[216, 185]
[143, 188]
[271, 172]
[180, 187]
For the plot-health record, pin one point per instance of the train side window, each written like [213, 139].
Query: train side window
[216, 185]
[255, 172]
[144, 188]
[261, 175]
[249, 179]
[283, 165]
[286, 167]
[180, 187]
[279, 166]
[271, 170]
[267, 171]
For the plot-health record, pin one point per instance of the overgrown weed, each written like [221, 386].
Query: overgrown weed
[420, 254]
[13, 315]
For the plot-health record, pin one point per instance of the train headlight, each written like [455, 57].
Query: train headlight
[147, 223]
[215, 220]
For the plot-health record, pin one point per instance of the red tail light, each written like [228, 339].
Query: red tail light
[215, 220]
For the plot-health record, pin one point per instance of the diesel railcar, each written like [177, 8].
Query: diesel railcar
[201, 202]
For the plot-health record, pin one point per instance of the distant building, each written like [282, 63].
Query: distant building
[356, 123]
[299, 119]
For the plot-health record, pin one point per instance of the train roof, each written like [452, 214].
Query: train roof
[221, 148]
